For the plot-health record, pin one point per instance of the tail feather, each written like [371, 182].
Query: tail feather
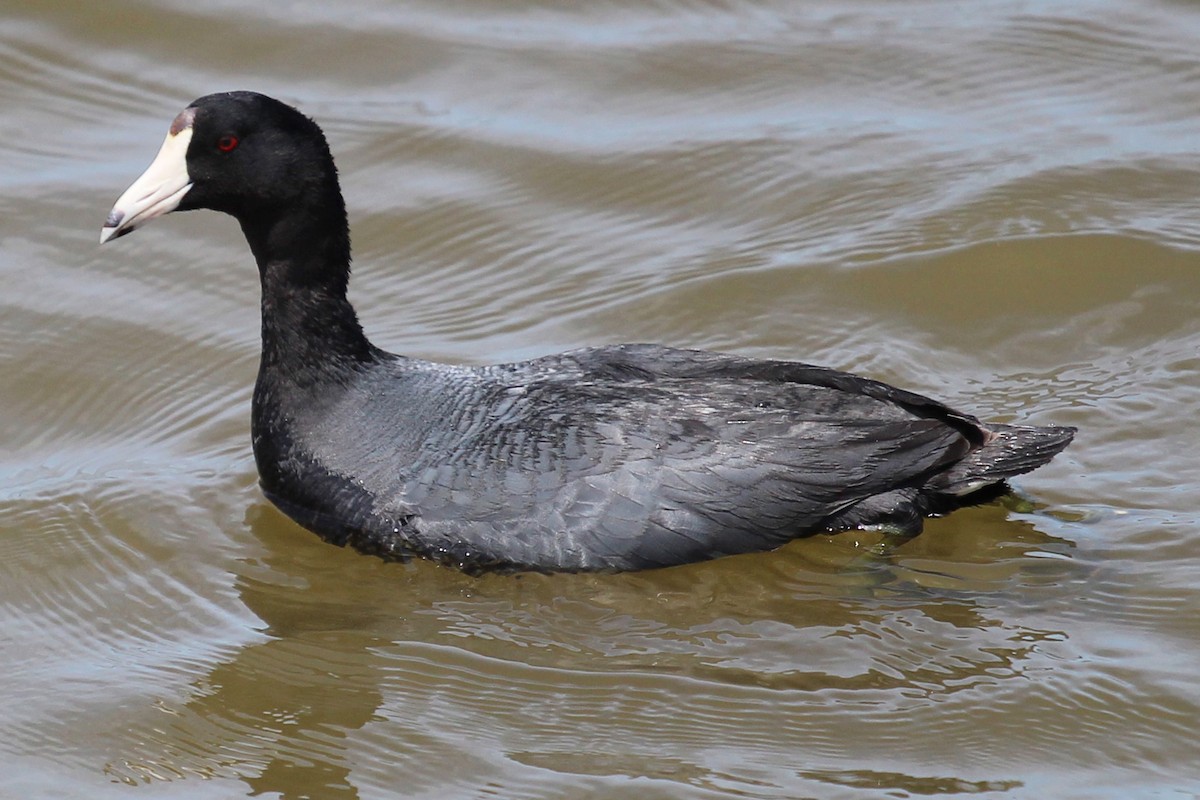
[1011, 450]
[978, 477]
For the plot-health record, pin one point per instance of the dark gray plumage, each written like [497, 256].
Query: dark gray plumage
[622, 457]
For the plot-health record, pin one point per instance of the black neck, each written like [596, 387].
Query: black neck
[310, 333]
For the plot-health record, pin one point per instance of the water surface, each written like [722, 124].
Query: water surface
[995, 203]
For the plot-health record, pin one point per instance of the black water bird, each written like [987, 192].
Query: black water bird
[619, 457]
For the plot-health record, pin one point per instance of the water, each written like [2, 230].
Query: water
[995, 203]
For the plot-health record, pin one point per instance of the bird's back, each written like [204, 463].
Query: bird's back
[618, 457]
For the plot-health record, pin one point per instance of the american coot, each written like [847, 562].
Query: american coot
[622, 457]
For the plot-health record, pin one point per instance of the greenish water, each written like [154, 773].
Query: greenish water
[996, 204]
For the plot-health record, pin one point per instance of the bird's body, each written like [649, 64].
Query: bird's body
[619, 457]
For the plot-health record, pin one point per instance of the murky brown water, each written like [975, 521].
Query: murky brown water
[993, 202]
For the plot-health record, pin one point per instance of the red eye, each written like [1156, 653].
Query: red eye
[227, 143]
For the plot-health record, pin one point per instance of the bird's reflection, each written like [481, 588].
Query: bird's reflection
[285, 707]
[287, 713]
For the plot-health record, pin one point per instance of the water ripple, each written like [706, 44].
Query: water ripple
[990, 204]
